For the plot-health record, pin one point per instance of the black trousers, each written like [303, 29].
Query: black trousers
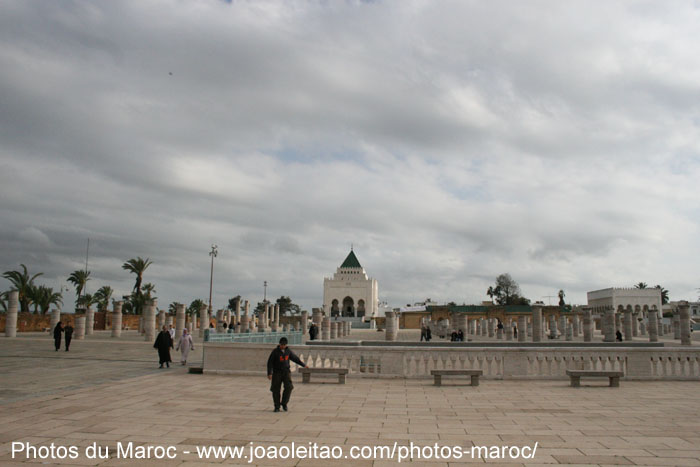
[68, 339]
[57, 341]
[279, 378]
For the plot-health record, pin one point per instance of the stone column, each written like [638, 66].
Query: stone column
[317, 317]
[219, 320]
[628, 323]
[618, 320]
[149, 321]
[575, 321]
[161, 320]
[508, 327]
[522, 328]
[491, 326]
[684, 312]
[642, 329]
[179, 320]
[653, 325]
[168, 321]
[326, 328]
[477, 326]
[391, 329]
[11, 316]
[89, 321]
[536, 323]
[227, 317]
[117, 318]
[587, 325]
[304, 322]
[334, 330]
[660, 322]
[484, 326]
[563, 321]
[676, 322]
[55, 318]
[277, 316]
[529, 326]
[79, 331]
[461, 323]
[609, 325]
[203, 319]
[237, 316]
[552, 326]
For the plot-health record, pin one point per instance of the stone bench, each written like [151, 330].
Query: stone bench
[438, 374]
[576, 376]
[306, 373]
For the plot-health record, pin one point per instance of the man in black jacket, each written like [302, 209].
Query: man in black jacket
[57, 330]
[69, 335]
[278, 372]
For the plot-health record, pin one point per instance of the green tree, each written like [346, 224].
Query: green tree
[48, 297]
[149, 289]
[195, 306]
[233, 301]
[102, 297]
[79, 280]
[86, 300]
[22, 282]
[507, 291]
[664, 294]
[3, 301]
[286, 306]
[172, 308]
[493, 292]
[640, 285]
[137, 266]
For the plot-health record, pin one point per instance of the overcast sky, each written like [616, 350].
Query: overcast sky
[450, 142]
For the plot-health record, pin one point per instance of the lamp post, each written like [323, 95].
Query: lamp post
[213, 254]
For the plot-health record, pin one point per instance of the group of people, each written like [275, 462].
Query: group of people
[164, 342]
[67, 331]
[457, 336]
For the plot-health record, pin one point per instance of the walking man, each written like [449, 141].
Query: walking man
[69, 335]
[57, 330]
[279, 373]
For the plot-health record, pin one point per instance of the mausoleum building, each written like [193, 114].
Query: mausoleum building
[350, 292]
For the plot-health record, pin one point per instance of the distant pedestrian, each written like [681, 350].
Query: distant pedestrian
[69, 335]
[57, 330]
[460, 336]
[279, 373]
[164, 343]
[515, 331]
[313, 332]
[184, 346]
[172, 332]
[423, 333]
[428, 334]
[618, 336]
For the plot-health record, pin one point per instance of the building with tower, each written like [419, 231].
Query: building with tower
[350, 293]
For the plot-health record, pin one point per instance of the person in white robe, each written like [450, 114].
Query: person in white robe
[184, 346]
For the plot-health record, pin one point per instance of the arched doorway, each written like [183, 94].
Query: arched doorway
[348, 306]
[335, 311]
[360, 308]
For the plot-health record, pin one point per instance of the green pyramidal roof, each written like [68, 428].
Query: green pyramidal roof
[351, 261]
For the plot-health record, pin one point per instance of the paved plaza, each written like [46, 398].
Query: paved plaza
[110, 391]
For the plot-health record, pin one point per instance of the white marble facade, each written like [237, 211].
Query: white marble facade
[350, 292]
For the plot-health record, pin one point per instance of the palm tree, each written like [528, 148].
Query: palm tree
[641, 285]
[137, 266]
[172, 308]
[195, 306]
[46, 297]
[664, 294]
[149, 289]
[3, 301]
[232, 302]
[22, 282]
[79, 280]
[86, 300]
[102, 297]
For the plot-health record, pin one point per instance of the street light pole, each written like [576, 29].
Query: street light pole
[213, 254]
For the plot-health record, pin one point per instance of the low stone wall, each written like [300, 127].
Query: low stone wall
[653, 363]
[36, 322]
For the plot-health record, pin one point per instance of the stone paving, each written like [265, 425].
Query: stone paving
[112, 392]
